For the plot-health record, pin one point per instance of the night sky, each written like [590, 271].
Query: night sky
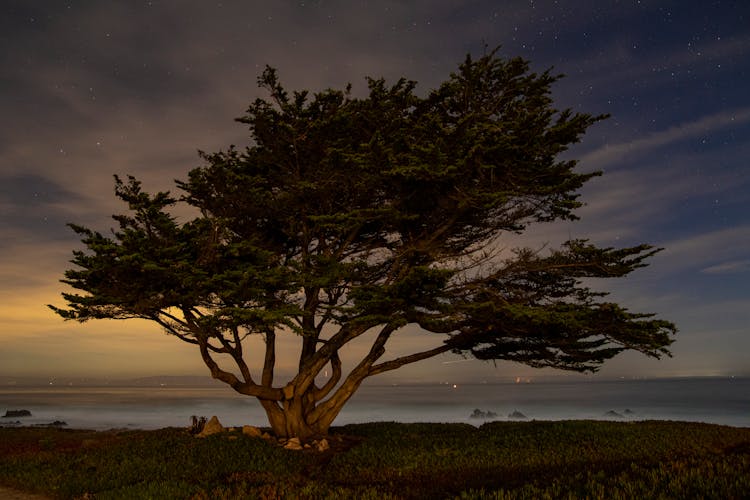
[89, 89]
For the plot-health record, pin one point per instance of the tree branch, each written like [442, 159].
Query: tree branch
[335, 377]
[307, 373]
[405, 360]
[270, 359]
[248, 388]
[237, 355]
[330, 408]
[172, 330]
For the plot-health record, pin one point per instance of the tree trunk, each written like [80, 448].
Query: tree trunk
[294, 417]
[291, 420]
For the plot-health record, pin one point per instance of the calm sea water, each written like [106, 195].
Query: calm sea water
[714, 400]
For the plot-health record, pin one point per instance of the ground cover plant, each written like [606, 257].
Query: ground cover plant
[572, 459]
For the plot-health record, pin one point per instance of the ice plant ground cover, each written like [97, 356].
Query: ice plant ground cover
[388, 460]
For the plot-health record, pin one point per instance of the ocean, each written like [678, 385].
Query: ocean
[714, 400]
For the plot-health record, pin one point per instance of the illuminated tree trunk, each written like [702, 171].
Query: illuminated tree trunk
[294, 418]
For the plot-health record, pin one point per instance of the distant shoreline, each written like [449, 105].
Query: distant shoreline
[717, 400]
[207, 382]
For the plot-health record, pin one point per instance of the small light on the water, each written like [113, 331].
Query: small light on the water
[454, 386]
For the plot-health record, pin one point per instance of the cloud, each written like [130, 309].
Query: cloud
[730, 267]
[614, 154]
[717, 243]
[718, 251]
[109, 87]
[619, 61]
[35, 243]
[105, 348]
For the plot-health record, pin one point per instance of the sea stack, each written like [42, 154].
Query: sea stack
[17, 413]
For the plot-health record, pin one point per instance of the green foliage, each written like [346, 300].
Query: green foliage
[350, 214]
[499, 460]
[163, 461]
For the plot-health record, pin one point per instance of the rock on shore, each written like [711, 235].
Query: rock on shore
[477, 413]
[17, 413]
[213, 426]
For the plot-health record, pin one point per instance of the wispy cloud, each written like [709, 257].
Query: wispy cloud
[730, 267]
[611, 155]
[721, 251]
[617, 60]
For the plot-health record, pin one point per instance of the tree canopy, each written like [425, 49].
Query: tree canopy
[350, 215]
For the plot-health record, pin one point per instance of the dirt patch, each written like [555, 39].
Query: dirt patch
[31, 440]
[11, 494]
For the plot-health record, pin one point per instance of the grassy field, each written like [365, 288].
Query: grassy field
[574, 459]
